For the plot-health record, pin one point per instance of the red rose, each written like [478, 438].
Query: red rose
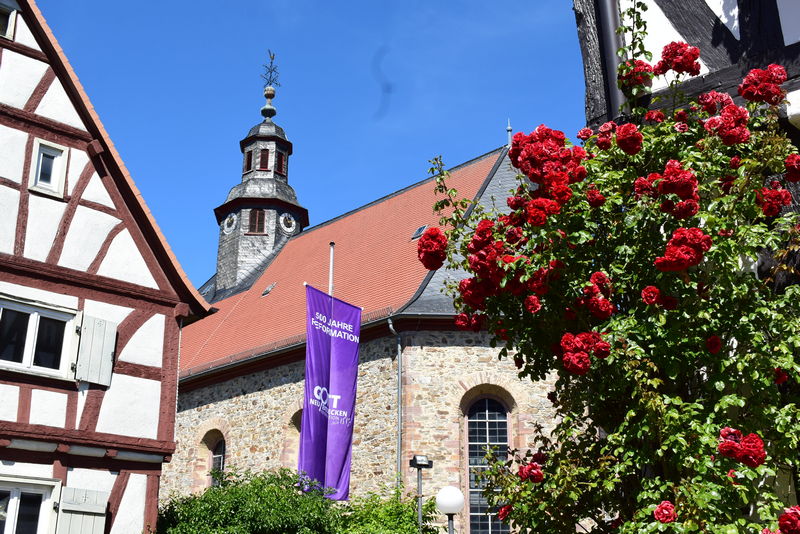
[735, 162]
[654, 115]
[576, 362]
[503, 512]
[780, 376]
[651, 295]
[789, 521]
[629, 139]
[595, 198]
[730, 434]
[751, 452]
[602, 349]
[585, 133]
[600, 308]
[532, 304]
[792, 165]
[431, 249]
[713, 344]
[665, 512]
[729, 449]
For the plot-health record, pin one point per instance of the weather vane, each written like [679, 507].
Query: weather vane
[270, 75]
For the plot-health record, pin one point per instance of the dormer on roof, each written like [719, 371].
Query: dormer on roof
[262, 212]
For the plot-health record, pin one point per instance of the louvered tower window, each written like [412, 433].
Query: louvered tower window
[256, 221]
[487, 426]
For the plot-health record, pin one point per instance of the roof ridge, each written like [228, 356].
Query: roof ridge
[396, 193]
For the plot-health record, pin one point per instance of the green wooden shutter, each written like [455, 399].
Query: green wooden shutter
[82, 511]
[96, 351]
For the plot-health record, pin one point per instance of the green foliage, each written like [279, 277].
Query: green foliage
[272, 503]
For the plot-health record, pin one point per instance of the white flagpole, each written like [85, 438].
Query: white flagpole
[330, 272]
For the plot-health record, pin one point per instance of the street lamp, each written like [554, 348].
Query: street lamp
[420, 462]
[449, 501]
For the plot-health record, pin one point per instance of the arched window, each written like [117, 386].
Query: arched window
[487, 426]
[218, 459]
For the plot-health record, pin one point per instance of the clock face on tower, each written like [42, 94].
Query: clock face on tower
[229, 224]
[287, 222]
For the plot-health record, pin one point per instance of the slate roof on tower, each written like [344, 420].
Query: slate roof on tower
[376, 268]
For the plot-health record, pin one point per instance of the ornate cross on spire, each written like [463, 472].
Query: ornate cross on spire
[271, 74]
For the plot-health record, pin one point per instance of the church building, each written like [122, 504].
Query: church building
[424, 388]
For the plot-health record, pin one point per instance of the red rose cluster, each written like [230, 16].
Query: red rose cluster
[629, 139]
[789, 521]
[677, 181]
[576, 349]
[470, 321]
[748, 450]
[678, 57]
[764, 85]
[532, 472]
[772, 199]
[665, 512]
[431, 248]
[712, 101]
[543, 157]
[684, 250]
[730, 125]
[635, 73]
[713, 344]
[604, 135]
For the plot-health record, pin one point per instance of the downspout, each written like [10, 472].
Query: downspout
[609, 21]
[399, 358]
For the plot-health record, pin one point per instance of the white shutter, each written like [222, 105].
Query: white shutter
[96, 351]
[82, 511]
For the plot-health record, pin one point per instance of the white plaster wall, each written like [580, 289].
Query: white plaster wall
[131, 407]
[790, 20]
[57, 106]
[32, 293]
[660, 32]
[109, 312]
[12, 157]
[85, 236]
[793, 108]
[77, 161]
[96, 192]
[130, 516]
[728, 12]
[48, 408]
[124, 262]
[93, 479]
[21, 469]
[44, 216]
[23, 35]
[9, 402]
[9, 207]
[19, 76]
[146, 346]
[83, 391]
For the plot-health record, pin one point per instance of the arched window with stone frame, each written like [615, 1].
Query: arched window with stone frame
[213, 449]
[487, 425]
[290, 448]
[217, 461]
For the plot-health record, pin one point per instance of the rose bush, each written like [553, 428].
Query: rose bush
[622, 271]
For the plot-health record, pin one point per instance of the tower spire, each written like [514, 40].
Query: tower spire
[508, 131]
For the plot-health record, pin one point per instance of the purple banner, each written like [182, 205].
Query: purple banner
[332, 331]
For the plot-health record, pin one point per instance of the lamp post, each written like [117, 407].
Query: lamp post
[449, 501]
[420, 462]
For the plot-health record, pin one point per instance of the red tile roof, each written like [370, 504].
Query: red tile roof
[376, 267]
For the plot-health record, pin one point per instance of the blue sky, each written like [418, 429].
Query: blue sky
[370, 91]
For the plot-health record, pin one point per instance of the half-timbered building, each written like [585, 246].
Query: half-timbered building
[91, 303]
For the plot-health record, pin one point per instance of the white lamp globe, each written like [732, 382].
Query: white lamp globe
[449, 500]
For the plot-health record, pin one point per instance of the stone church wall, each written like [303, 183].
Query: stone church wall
[444, 372]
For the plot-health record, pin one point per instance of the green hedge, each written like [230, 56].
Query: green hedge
[273, 503]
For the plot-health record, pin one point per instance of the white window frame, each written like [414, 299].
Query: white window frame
[49, 488]
[11, 14]
[69, 345]
[58, 176]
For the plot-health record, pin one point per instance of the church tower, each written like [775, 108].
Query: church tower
[262, 212]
